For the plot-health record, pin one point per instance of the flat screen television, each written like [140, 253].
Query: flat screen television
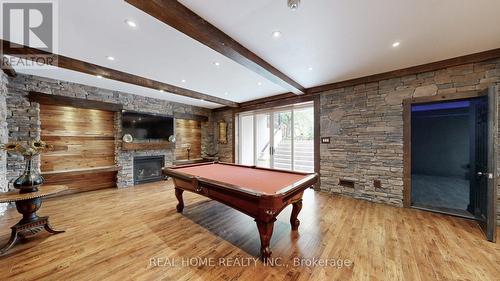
[147, 126]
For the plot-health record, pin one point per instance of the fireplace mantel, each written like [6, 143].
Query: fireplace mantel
[147, 145]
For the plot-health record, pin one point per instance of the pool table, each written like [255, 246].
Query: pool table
[260, 193]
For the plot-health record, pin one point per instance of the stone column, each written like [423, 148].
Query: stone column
[3, 136]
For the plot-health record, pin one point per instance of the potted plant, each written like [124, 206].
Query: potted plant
[30, 179]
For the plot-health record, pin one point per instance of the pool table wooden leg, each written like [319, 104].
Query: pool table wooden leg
[265, 232]
[178, 194]
[297, 206]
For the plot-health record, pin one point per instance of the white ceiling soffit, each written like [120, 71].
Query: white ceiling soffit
[113, 85]
[91, 30]
[345, 39]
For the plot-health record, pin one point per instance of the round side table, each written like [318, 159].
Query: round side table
[28, 204]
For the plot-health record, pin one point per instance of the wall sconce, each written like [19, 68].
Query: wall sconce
[222, 132]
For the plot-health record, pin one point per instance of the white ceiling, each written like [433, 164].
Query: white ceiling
[90, 30]
[339, 39]
[91, 80]
[344, 39]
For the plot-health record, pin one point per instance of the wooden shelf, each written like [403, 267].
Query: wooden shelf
[82, 171]
[147, 145]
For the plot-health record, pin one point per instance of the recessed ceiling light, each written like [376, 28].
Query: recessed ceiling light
[293, 4]
[99, 76]
[217, 63]
[310, 68]
[276, 34]
[225, 93]
[259, 83]
[396, 44]
[202, 100]
[131, 23]
[183, 80]
[110, 58]
[161, 91]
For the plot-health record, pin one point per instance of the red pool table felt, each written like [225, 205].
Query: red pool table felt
[257, 180]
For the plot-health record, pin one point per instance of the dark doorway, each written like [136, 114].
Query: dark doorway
[441, 150]
[449, 156]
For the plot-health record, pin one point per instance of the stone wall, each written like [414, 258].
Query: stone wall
[208, 137]
[24, 124]
[225, 150]
[365, 123]
[3, 136]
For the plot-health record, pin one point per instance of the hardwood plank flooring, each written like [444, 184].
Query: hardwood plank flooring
[112, 234]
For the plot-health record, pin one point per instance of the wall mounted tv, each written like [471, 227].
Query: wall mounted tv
[147, 126]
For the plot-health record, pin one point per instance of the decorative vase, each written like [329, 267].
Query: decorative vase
[30, 180]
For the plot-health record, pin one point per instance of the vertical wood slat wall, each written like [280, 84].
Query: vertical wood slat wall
[82, 139]
[187, 132]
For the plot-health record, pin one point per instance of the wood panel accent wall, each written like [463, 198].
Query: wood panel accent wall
[83, 182]
[84, 147]
[187, 132]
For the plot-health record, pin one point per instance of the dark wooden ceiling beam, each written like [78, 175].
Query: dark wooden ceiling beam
[6, 67]
[32, 54]
[186, 21]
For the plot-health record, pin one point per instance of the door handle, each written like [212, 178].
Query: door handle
[489, 175]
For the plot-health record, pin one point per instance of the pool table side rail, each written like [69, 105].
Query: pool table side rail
[309, 180]
[237, 165]
[262, 168]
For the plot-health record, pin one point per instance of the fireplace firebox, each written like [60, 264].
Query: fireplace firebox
[148, 169]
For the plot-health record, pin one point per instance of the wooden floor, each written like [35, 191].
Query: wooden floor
[112, 235]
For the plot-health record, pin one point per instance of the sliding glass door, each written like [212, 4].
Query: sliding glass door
[280, 138]
[303, 139]
[262, 140]
[282, 142]
[246, 140]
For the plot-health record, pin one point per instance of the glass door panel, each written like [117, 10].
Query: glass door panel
[282, 140]
[303, 139]
[246, 142]
[263, 140]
